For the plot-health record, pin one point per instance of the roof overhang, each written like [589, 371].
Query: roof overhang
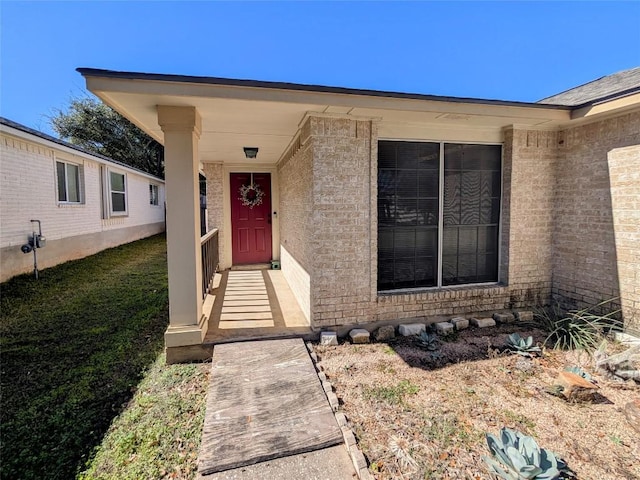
[610, 106]
[29, 135]
[239, 113]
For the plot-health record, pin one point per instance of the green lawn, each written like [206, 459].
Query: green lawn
[75, 346]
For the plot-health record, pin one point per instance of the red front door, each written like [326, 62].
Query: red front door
[251, 218]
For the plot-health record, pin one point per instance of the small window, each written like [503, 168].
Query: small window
[68, 182]
[153, 194]
[118, 190]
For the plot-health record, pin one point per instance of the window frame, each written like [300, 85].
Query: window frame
[440, 226]
[111, 191]
[80, 180]
[154, 187]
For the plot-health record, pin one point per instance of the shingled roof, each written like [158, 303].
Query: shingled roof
[612, 86]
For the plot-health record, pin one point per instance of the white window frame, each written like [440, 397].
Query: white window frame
[154, 188]
[110, 192]
[80, 170]
[439, 285]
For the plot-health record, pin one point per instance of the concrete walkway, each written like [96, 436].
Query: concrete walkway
[331, 463]
[268, 416]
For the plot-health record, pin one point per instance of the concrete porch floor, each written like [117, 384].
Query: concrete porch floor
[255, 304]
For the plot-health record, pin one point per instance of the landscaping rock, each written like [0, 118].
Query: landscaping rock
[333, 401]
[632, 414]
[524, 316]
[575, 387]
[483, 322]
[409, 329]
[341, 419]
[358, 459]
[460, 323]
[504, 317]
[622, 366]
[359, 335]
[328, 338]
[386, 332]
[444, 328]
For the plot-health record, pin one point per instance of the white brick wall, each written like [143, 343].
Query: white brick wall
[28, 190]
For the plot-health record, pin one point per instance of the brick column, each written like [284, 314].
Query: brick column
[529, 171]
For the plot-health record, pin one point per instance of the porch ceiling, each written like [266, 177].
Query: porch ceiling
[237, 113]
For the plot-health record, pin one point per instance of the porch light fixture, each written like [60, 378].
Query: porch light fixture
[251, 152]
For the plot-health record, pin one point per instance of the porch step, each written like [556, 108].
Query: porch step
[256, 266]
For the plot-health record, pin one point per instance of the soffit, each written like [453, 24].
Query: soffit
[268, 118]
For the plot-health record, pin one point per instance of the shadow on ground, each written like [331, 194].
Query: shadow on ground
[74, 346]
[465, 346]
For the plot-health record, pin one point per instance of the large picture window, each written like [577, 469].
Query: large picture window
[68, 176]
[438, 214]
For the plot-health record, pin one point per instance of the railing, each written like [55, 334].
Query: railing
[210, 259]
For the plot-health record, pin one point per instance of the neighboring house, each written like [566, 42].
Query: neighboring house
[86, 202]
[383, 206]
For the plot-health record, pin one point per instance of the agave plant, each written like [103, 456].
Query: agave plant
[522, 346]
[428, 341]
[517, 457]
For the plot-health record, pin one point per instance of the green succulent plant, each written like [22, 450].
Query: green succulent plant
[517, 457]
[428, 341]
[521, 346]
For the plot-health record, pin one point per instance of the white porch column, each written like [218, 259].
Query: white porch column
[182, 127]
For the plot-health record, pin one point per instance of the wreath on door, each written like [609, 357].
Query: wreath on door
[251, 195]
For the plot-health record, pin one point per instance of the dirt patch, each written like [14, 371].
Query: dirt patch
[422, 414]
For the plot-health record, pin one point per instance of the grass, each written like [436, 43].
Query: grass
[75, 344]
[158, 435]
[394, 395]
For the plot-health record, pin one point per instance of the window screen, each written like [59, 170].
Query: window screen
[409, 225]
[407, 214]
[68, 180]
[471, 213]
[118, 192]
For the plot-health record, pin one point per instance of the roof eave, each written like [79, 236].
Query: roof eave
[230, 82]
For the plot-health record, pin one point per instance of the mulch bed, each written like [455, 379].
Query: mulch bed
[420, 414]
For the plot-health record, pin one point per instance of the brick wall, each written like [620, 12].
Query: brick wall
[624, 175]
[29, 191]
[215, 204]
[590, 167]
[295, 176]
[557, 230]
[529, 158]
[341, 220]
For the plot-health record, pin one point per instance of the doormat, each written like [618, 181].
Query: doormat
[265, 401]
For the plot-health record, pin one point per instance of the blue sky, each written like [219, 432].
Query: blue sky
[505, 50]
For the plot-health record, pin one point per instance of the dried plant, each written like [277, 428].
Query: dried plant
[401, 449]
